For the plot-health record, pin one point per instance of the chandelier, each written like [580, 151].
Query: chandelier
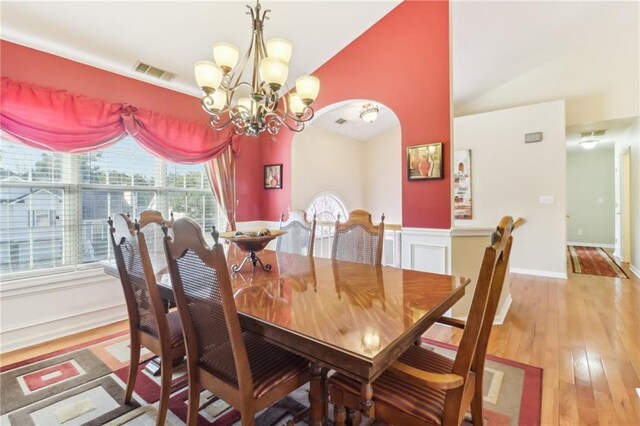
[266, 107]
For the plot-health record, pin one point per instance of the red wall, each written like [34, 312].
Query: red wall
[32, 66]
[402, 62]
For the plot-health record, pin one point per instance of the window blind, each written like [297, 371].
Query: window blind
[54, 206]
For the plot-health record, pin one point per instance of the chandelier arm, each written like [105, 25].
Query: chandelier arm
[272, 117]
[303, 118]
[215, 120]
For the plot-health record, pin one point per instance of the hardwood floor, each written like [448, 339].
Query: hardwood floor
[584, 332]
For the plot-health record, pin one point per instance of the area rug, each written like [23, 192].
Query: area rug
[594, 261]
[85, 384]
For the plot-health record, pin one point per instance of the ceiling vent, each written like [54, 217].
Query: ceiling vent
[341, 121]
[153, 71]
[592, 134]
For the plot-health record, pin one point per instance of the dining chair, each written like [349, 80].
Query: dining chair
[300, 234]
[149, 325]
[424, 387]
[358, 239]
[239, 367]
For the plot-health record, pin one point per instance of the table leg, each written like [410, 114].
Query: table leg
[317, 395]
[367, 406]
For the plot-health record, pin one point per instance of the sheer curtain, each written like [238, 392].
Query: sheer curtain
[222, 177]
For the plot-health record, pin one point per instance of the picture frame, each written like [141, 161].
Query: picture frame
[425, 162]
[272, 177]
[462, 172]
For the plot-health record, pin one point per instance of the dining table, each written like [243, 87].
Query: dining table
[352, 318]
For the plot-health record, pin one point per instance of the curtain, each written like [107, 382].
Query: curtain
[56, 120]
[222, 177]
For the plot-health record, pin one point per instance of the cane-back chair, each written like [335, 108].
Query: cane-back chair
[300, 234]
[149, 325]
[424, 387]
[240, 367]
[358, 239]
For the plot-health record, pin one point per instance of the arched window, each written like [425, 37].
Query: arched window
[326, 207]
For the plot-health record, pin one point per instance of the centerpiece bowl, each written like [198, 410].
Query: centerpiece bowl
[252, 243]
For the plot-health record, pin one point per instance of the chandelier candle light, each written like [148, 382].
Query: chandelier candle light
[267, 106]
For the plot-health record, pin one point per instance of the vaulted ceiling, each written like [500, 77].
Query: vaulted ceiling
[492, 42]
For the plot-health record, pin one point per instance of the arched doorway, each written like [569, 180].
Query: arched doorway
[356, 161]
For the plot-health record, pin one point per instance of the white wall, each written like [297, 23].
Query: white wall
[631, 141]
[590, 196]
[364, 174]
[43, 308]
[509, 177]
[599, 82]
[383, 175]
[325, 161]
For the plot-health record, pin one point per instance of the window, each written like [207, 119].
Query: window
[327, 207]
[54, 207]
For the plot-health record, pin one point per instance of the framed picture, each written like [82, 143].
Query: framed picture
[273, 176]
[425, 162]
[462, 184]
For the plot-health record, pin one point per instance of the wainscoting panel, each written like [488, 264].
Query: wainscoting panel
[427, 250]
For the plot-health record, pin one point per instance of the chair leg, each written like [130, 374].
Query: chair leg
[194, 401]
[354, 417]
[165, 388]
[134, 360]
[476, 410]
[247, 418]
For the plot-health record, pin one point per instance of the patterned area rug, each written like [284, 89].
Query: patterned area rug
[84, 385]
[594, 261]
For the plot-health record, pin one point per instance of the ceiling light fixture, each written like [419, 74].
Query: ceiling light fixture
[266, 107]
[369, 112]
[588, 143]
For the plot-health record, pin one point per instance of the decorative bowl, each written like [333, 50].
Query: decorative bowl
[250, 243]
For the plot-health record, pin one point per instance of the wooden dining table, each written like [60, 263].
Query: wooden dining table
[352, 318]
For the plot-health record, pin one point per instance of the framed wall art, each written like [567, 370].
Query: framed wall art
[425, 162]
[273, 176]
[462, 185]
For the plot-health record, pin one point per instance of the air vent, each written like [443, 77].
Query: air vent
[593, 133]
[341, 121]
[153, 71]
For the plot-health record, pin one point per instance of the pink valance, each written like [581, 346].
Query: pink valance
[56, 120]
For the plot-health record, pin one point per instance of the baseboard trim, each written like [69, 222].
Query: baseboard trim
[607, 246]
[634, 270]
[54, 328]
[539, 273]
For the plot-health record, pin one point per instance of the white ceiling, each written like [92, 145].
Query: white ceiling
[173, 35]
[355, 127]
[496, 41]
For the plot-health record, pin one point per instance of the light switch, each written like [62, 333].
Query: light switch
[547, 199]
[600, 200]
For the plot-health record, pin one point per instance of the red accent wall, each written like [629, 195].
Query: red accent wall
[402, 62]
[21, 63]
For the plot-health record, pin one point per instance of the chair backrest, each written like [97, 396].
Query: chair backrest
[473, 344]
[358, 239]
[150, 223]
[300, 234]
[144, 304]
[204, 296]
